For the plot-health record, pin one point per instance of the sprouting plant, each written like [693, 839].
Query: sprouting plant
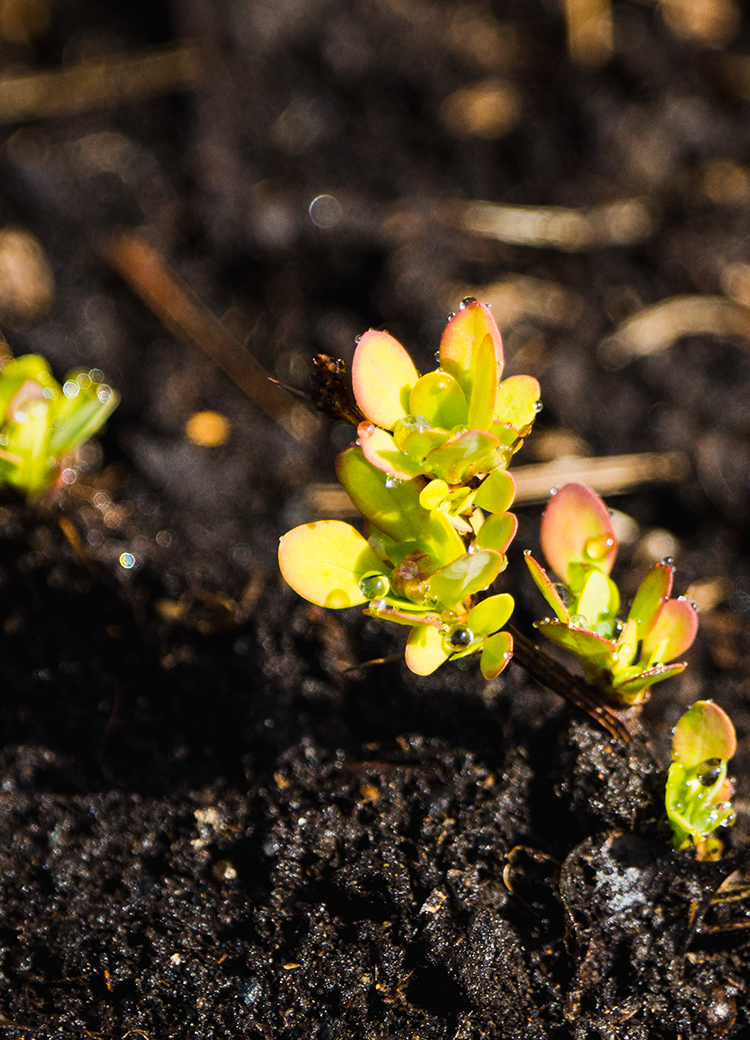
[428, 474]
[41, 422]
[698, 790]
[623, 659]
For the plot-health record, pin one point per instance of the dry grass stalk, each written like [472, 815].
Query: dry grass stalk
[101, 84]
[654, 328]
[625, 222]
[616, 475]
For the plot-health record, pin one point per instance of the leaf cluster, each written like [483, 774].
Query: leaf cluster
[623, 658]
[429, 475]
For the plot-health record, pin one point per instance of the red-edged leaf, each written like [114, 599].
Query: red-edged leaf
[462, 336]
[673, 631]
[592, 650]
[424, 650]
[382, 377]
[496, 654]
[634, 690]
[576, 528]
[379, 448]
[459, 458]
[546, 587]
[497, 532]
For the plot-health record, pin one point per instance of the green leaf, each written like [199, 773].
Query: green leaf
[424, 650]
[440, 399]
[704, 731]
[591, 649]
[497, 532]
[515, 401]
[396, 510]
[445, 541]
[324, 562]
[546, 587]
[631, 691]
[652, 594]
[419, 443]
[576, 528]
[672, 633]
[496, 493]
[462, 336]
[490, 615]
[597, 599]
[470, 573]
[458, 459]
[496, 654]
[382, 377]
[484, 379]
[77, 418]
[27, 368]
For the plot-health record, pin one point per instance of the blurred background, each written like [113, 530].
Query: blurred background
[196, 195]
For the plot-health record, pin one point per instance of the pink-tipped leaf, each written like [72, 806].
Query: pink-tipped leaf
[516, 401]
[462, 336]
[546, 587]
[382, 377]
[497, 532]
[652, 594]
[576, 529]
[496, 654]
[424, 650]
[672, 633]
[396, 510]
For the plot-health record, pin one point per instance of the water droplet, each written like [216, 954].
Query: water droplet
[507, 655]
[457, 431]
[690, 602]
[83, 380]
[411, 424]
[537, 407]
[451, 316]
[374, 585]
[732, 818]
[393, 482]
[378, 604]
[597, 548]
[436, 355]
[459, 637]
[358, 338]
[71, 388]
[710, 771]
[553, 491]
[127, 561]
[578, 621]
[48, 393]
[96, 375]
[667, 561]
[467, 300]
[365, 429]
[104, 393]
[472, 548]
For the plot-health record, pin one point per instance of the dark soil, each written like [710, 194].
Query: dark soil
[210, 827]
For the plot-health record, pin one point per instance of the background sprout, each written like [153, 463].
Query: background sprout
[624, 659]
[698, 790]
[428, 474]
[41, 422]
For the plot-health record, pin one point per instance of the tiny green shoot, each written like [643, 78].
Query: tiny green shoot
[698, 794]
[42, 422]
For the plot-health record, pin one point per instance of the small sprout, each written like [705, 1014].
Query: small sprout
[698, 794]
[41, 422]
[624, 659]
[428, 474]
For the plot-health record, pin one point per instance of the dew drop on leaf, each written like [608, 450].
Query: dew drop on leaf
[374, 586]
[467, 300]
[597, 548]
[537, 406]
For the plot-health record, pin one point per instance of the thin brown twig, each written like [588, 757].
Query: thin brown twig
[171, 300]
[561, 681]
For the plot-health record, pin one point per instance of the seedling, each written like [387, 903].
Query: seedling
[623, 658]
[428, 474]
[698, 795]
[41, 422]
